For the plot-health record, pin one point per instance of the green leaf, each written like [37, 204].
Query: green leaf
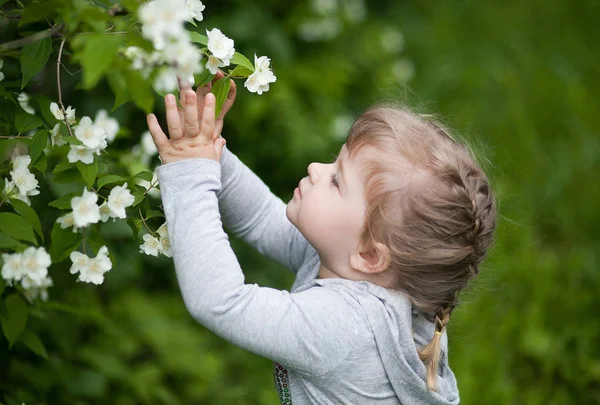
[199, 38]
[220, 89]
[241, 71]
[37, 11]
[63, 242]
[41, 163]
[67, 176]
[154, 214]
[239, 59]
[99, 52]
[118, 85]
[13, 323]
[24, 122]
[62, 166]
[28, 215]
[139, 197]
[34, 57]
[70, 139]
[2, 285]
[88, 172]
[6, 242]
[64, 202]
[135, 225]
[38, 143]
[145, 175]
[140, 90]
[14, 225]
[109, 179]
[202, 78]
[34, 344]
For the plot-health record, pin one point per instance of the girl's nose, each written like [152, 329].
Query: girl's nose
[313, 172]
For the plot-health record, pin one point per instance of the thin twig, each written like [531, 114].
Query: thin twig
[10, 137]
[62, 106]
[150, 188]
[144, 221]
[32, 38]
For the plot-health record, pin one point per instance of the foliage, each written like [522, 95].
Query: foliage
[515, 79]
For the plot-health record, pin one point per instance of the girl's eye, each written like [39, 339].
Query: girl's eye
[334, 180]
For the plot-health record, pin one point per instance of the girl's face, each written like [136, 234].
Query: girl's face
[329, 209]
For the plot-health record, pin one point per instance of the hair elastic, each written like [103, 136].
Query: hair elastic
[439, 333]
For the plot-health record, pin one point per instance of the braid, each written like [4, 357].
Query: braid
[431, 353]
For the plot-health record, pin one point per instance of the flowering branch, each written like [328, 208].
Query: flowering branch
[64, 111]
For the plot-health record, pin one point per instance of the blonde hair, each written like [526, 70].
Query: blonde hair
[430, 204]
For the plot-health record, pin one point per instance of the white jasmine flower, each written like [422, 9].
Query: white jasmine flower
[20, 161]
[35, 289]
[59, 115]
[85, 210]
[147, 144]
[119, 199]
[92, 136]
[13, 268]
[25, 181]
[67, 221]
[105, 212]
[81, 153]
[214, 64]
[151, 245]
[91, 270]
[36, 262]
[220, 46]
[195, 9]
[56, 137]
[108, 124]
[24, 103]
[165, 242]
[2, 63]
[258, 82]
[163, 20]
[165, 81]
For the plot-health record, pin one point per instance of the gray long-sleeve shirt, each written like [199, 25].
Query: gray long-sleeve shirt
[333, 341]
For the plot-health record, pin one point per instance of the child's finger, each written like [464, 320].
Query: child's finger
[208, 118]
[173, 122]
[191, 114]
[183, 88]
[159, 137]
[201, 92]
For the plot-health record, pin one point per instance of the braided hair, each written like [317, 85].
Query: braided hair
[430, 204]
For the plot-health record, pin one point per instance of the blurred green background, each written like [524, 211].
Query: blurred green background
[517, 79]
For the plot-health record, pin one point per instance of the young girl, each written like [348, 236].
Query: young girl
[382, 241]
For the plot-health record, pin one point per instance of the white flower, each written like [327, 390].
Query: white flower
[119, 199]
[195, 9]
[85, 210]
[151, 245]
[36, 262]
[59, 115]
[2, 64]
[91, 270]
[35, 289]
[148, 145]
[13, 268]
[20, 161]
[105, 212]
[81, 153]
[165, 242]
[67, 221]
[162, 20]
[25, 181]
[56, 137]
[92, 136]
[220, 46]
[258, 82]
[165, 81]
[214, 64]
[24, 103]
[108, 124]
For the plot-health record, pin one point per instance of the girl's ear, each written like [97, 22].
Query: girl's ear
[373, 260]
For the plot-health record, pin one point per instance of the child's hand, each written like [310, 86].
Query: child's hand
[190, 137]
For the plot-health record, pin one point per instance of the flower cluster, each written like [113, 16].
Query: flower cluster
[153, 246]
[258, 82]
[221, 50]
[85, 211]
[91, 270]
[163, 24]
[23, 183]
[30, 268]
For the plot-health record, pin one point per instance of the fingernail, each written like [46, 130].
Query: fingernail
[170, 98]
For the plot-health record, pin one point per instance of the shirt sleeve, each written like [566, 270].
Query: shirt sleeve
[253, 213]
[309, 331]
